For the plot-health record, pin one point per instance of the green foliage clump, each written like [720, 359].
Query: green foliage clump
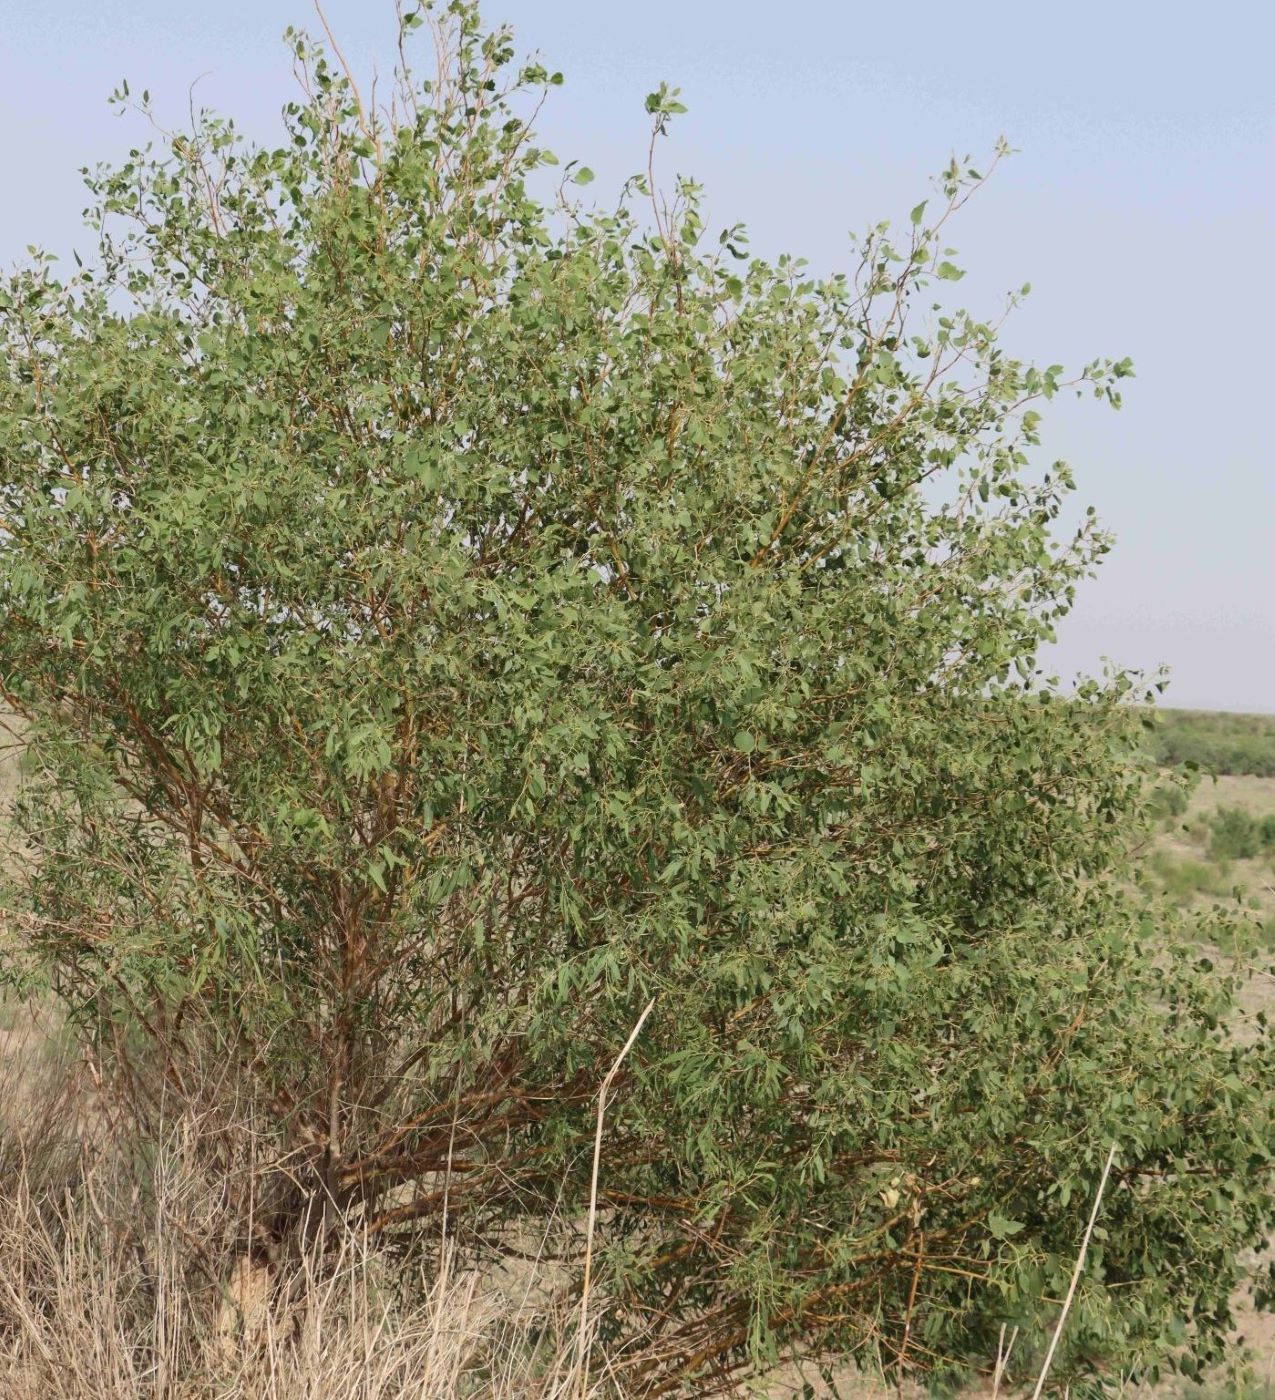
[1216, 741]
[447, 622]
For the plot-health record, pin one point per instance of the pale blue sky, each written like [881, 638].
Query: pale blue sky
[1141, 208]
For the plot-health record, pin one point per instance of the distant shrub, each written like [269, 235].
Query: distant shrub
[1218, 742]
[1166, 802]
[1238, 835]
[1182, 878]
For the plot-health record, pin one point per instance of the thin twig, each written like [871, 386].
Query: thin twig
[907, 1323]
[1075, 1275]
[368, 128]
[582, 1343]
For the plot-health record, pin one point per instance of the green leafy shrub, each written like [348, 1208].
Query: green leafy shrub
[446, 624]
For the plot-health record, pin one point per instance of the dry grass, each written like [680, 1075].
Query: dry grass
[82, 1319]
[128, 1273]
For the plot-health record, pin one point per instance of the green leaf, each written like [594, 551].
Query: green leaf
[1002, 1227]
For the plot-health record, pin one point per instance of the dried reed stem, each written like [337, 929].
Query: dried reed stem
[1002, 1358]
[582, 1343]
[1075, 1275]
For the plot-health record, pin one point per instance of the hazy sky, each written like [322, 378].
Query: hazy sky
[1141, 208]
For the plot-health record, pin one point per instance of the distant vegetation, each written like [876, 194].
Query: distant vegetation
[1214, 846]
[1218, 742]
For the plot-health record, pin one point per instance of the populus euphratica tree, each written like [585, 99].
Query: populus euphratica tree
[447, 618]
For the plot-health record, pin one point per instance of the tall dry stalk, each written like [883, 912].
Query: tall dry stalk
[1075, 1276]
[582, 1341]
